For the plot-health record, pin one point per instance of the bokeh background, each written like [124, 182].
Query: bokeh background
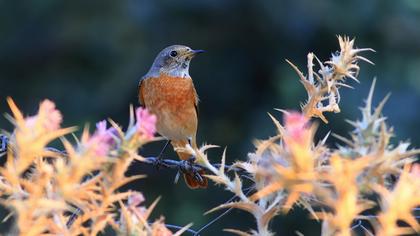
[88, 57]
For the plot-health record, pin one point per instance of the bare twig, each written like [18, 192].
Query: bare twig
[193, 232]
[359, 224]
[248, 190]
[184, 166]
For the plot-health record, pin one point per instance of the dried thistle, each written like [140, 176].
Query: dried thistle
[44, 189]
[289, 169]
[293, 170]
[342, 195]
[371, 137]
[323, 86]
[292, 165]
[398, 203]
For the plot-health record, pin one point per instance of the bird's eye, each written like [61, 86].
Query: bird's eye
[173, 53]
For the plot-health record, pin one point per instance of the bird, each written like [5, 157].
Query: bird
[167, 90]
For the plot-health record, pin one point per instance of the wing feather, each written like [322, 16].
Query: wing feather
[141, 97]
[196, 100]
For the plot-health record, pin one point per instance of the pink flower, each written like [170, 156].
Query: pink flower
[48, 117]
[53, 116]
[415, 170]
[105, 133]
[296, 126]
[146, 123]
[159, 229]
[135, 199]
[102, 139]
[135, 210]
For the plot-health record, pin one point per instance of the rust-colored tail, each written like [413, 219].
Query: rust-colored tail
[191, 181]
[194, 183]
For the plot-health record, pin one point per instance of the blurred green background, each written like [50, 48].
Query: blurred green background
[88, 57]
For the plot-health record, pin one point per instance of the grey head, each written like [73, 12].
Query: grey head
[173, 61]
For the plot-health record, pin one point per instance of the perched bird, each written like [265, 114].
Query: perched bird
[167, 90]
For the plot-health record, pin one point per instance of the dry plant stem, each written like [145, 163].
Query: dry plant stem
[290, 169]
[323, 86]
[184, 165]
[220, 172]
[167, 163]
[218, 175]
[42, 185]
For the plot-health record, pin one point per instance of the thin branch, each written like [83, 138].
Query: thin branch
[184, 166]
[248, 190]
[193, 232]
[359, 224]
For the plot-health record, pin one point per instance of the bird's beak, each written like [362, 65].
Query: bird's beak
[193, 53]
[198, 51]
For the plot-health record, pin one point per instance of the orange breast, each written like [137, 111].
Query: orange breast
[173, 101]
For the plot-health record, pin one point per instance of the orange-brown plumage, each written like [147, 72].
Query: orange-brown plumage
[174, 102]
[169, 93]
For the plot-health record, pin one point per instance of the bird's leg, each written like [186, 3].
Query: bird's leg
[188, 168]
[194, 172]
[191, 161]
[159, 158]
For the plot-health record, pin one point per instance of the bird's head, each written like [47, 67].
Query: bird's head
[174, 61]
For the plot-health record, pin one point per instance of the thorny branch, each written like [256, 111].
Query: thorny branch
[183, 166]
[359, 223]
[323, 86]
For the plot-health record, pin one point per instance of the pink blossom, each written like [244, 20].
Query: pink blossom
[159, 229]
[102, 139]
[48, 117]
[104, 132]
[296, 126]
[31, 121]
[146, 123]
[415, 170]
[135, 199]
[134, 207]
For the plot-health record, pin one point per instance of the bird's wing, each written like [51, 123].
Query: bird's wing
[196, 100]
[141, 98]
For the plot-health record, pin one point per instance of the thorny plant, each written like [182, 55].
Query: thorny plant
[333, 184]
[323, 86]
[42, 188]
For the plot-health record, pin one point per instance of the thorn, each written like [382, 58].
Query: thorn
[365, 59]
[302, 77]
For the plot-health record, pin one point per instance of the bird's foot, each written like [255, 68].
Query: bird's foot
[158, 162]
[189, 168]
[191, 160]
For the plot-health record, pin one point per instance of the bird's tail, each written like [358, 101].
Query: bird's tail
[191, 181]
